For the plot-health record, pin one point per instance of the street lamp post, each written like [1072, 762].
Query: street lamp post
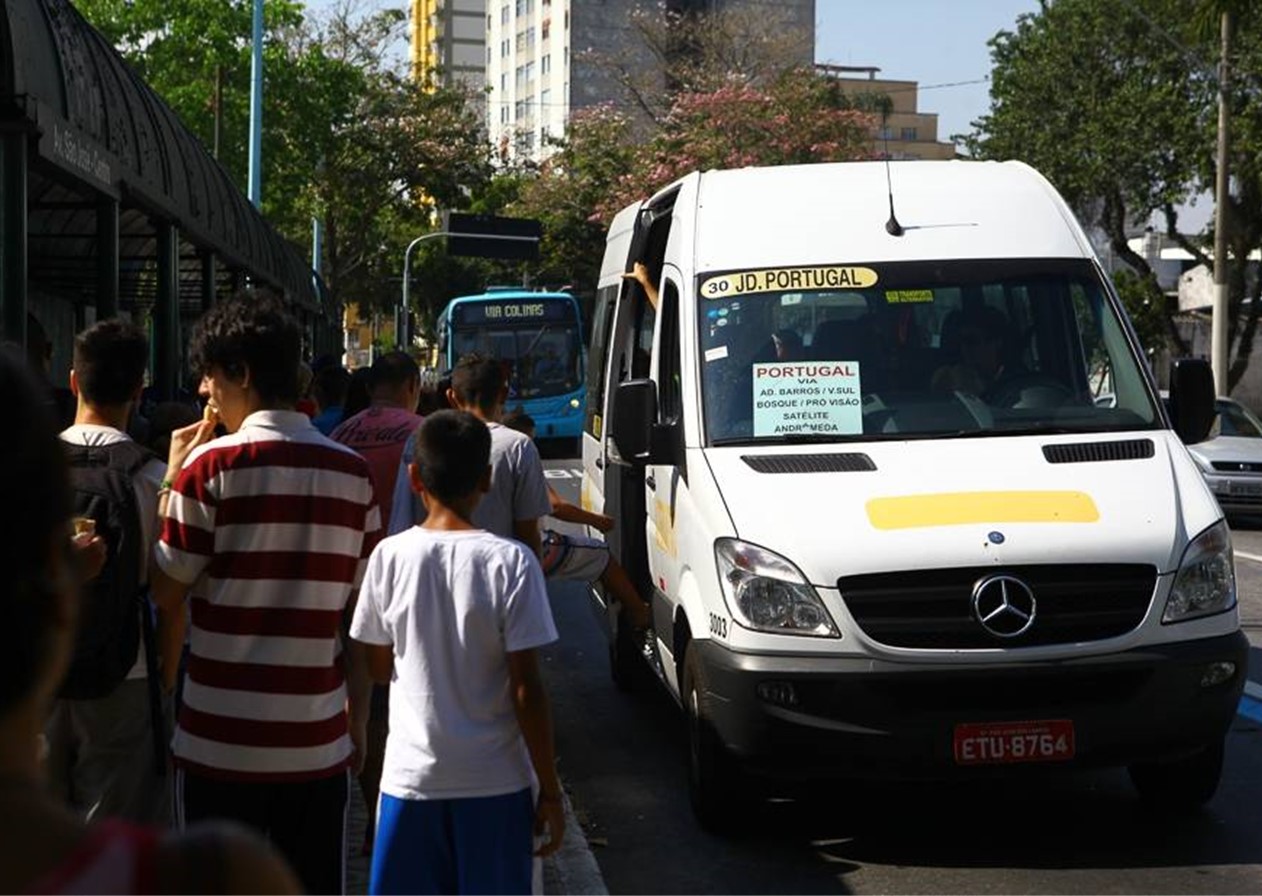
[404, 335]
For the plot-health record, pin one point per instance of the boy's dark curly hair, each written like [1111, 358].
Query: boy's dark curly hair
[251, 331]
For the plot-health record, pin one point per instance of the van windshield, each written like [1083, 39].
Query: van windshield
[915, 350]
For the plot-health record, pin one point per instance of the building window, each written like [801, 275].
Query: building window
[909, 134]
[885, 134]
[506, 48]
[545, 65]
[543, 28]
[504, 81]
[504, 114]
[530, 37]
[504, 14]
[488, 55]
[545, 99]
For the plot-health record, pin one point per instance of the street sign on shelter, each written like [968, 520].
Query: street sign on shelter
[492, 236]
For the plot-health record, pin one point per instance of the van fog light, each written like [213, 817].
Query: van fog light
[1217, 673]
[781, 693]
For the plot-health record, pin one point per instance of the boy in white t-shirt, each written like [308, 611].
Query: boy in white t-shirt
[451, 616]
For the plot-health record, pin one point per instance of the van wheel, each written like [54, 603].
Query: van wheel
[717, 787]
[1183, 784]
[626, 657]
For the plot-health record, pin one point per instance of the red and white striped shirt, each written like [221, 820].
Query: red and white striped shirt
[272, 526]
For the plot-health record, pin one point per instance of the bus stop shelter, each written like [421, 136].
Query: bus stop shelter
[109, 205]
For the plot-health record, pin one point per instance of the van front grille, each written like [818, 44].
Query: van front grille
[933, 609]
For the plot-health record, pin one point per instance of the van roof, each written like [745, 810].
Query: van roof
[830, 213]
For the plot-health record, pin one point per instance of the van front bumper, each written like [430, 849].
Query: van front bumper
[795, 717]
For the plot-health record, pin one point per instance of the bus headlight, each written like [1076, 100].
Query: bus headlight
[1206, 581]
[767, 593]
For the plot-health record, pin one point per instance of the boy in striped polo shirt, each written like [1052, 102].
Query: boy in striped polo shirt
[266, 530]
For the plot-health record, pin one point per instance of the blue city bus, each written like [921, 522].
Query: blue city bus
[539, 337]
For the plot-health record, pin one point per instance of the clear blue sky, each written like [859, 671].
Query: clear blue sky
[930, 41]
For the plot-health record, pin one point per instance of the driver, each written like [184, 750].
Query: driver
[983, 337]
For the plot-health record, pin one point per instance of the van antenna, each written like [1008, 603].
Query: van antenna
[892, 227]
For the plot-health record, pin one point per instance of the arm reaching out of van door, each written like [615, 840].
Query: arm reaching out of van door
[640, 274]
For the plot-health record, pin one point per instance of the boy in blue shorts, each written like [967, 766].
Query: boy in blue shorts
[451, 616]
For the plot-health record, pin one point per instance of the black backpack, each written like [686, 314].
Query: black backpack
[110, 611]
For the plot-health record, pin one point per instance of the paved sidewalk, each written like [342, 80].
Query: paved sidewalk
[571, 870]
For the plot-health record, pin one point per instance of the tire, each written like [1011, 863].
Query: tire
[717, 788]
[1182, 785]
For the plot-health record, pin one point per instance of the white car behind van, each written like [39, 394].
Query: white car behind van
[853, 454]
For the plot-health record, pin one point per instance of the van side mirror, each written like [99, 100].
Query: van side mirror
[1192, 399]
[634, 413]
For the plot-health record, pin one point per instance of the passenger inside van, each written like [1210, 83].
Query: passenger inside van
[986, 355]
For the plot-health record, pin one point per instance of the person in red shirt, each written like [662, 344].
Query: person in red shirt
[378, 433]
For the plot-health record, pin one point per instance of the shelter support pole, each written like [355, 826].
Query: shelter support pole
[107, 287]
[166, 313]
[13, 236]
[209, 275]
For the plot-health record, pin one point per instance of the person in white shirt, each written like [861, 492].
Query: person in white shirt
[451, 616]
[107, 753]
[519, 491]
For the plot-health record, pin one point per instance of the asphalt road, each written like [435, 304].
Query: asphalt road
[623, 760]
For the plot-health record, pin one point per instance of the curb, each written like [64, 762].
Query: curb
[573, 868]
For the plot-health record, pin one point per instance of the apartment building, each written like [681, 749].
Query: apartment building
[449, 37]
[541, 59]
[904, 132]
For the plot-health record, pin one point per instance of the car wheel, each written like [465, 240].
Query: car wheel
[717, 788]
[1183, 784]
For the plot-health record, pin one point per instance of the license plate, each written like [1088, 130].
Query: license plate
[994, 743]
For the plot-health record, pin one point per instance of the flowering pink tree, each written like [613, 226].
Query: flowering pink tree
[798, 119]
[605, 162]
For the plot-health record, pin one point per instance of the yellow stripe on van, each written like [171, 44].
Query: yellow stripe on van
[958, 508]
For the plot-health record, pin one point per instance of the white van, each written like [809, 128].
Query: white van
[858, 464]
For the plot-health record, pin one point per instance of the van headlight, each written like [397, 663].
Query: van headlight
[767, 593]
[1206, 581]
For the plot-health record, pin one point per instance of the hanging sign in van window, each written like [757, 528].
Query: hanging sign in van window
[807, 397]
[739, 283]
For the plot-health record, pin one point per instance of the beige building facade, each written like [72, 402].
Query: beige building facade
[903, 132]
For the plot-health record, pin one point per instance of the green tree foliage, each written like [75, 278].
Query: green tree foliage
[1116, 103]
[347, 137]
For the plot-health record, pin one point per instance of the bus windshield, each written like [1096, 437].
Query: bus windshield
[538, 339]
[916, 350]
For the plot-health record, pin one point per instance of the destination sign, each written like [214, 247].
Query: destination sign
[528, 311]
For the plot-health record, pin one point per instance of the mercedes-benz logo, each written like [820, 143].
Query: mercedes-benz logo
[1004, 605]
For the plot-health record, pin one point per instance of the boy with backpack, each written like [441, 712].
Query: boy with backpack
[106, 735]
[451, 616]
